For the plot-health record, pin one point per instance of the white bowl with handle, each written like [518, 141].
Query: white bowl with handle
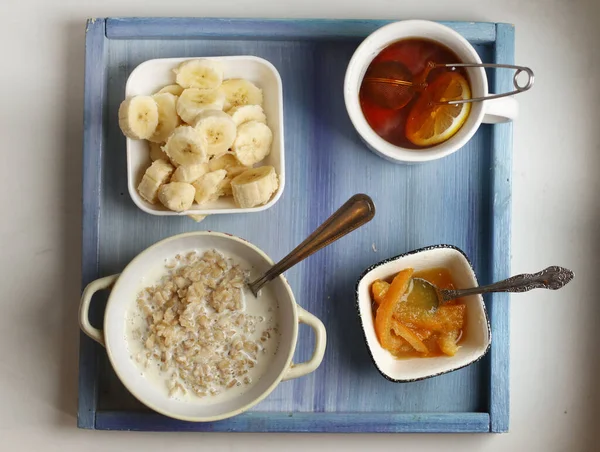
[124, 288]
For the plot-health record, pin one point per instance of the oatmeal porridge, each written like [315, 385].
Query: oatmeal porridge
[198, 331]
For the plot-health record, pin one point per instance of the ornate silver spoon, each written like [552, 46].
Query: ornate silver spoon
[553, 278]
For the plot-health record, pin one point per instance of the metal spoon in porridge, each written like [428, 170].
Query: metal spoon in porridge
[432, 297]
[357, 211]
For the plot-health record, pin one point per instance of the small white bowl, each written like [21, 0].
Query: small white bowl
[152, 75]
[477, 340]
[123, 294]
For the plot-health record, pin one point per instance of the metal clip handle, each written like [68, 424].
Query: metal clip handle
[552, 278]
[518, 88]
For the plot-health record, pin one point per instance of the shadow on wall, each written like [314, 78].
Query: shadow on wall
[73, 48]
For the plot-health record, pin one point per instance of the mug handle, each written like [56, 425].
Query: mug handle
[84, 306]
[299, 370]
[500, 110]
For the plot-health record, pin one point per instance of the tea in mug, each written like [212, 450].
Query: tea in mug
[412, 114]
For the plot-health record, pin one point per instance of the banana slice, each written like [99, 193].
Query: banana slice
[208, 186]
[254, 187]
[253, 142]
[226, 183]
[194, 101]
[138, 117]
[240, 92]
[173, 89]
[234, 171]
[203, 74]
[156, 152]
[223, 162]
[184, 147]
[167, 117]
[217, 131]
[177, 196]
[156, 175]
[197, 218]
[229, 163]
[246, 113]
[189, 173]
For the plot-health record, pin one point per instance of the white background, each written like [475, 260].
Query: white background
[556, 212]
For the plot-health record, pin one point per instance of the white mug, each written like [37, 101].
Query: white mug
[489, 111]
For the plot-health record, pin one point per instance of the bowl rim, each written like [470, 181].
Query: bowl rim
[231, 413]
[131, 184]
[391, 259]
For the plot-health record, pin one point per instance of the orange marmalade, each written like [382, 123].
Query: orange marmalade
[405, 328]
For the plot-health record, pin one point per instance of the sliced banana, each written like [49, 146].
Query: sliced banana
[177, 196]
[223, 162]
[189, 173]
[208, 186]
[254, 187]
[197, 218]
[184, 147]
[229, 163]
[167, 117]
[156, 152]
[246, 113]
[204, 74]
[156, 175]
[138, 117]
[253, 142]
[217, 131]
[234, 171]
[194, 101]
[240, 92]
[173, 89]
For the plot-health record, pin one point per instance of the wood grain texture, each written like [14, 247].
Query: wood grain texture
[273, 29]
[93, 144]
[499, 382]
[447, 201]
[306, 422]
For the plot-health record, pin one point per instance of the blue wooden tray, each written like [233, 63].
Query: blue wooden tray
[462, 200]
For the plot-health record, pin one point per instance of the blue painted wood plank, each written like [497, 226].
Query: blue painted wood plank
[499, 382]
[304, 422]
[93, 124]
[220, 28]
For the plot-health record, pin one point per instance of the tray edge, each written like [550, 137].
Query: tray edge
[93, 122]
[499, 391]
[258, 422]
[195, 27]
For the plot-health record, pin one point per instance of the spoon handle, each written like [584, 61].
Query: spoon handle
[358, 210]
[552, 278]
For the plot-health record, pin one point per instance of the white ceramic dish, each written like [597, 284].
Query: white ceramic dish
[477, 341]
[152, 75]
[124, 293]
[490, 111]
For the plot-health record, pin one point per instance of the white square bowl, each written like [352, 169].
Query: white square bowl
[152, 75]
[478, 337]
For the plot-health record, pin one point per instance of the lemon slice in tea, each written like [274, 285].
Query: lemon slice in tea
[429, 122]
